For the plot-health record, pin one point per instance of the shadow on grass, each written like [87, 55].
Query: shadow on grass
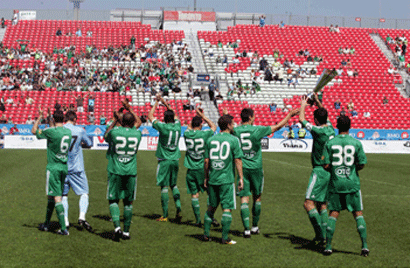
[53, 227]
[200, 236]
[103, 217]
[109, 235]
[303, 243]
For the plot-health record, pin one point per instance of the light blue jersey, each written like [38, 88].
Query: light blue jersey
[75, 154]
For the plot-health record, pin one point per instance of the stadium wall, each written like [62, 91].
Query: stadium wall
[149, 143]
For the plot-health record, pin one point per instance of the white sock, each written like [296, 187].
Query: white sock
[254, 229]
[117, 229]
[65, 205]
[83, 206]
[127, 234]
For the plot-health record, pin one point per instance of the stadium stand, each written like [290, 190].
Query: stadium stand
[53, 51]
[366, 90]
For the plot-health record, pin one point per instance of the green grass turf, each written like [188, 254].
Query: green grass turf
[284, 224]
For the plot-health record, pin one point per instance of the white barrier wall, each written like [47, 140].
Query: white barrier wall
[268, 145]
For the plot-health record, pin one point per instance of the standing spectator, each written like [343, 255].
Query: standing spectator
[262, 21]
[273, 107]
[3, 23]
[133, 42]
[80, 103]
[212, 88]
[29, 100]
[350, 106]
[15, 18]
[385, 100]
[91, 102]
[2, 107]
[14, 130]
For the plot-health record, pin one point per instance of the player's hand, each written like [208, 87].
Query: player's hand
[240, 185]
[294, 112]
[206, 183]
[158, 97]
[40, 112]
[125, 103]
[304, 100]
[199, 111]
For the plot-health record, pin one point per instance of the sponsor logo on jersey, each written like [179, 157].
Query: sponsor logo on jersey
[294, 144]
[124, 159]
[218, 164]
[61, 156]
[342, 171]
[249, 155]
[404, 135]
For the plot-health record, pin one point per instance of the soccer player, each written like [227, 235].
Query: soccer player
[76, 178]
[195, 140]
[58, 143]
[316, 193]
[122, 168]
[168, 155]
[221, 152]
[250, 137]
[344, 157]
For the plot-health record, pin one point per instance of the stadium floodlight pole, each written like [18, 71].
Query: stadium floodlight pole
[76, 8]
[194, 5]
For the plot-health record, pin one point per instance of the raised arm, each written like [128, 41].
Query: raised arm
[316, 99]
[303, 104]
[238, 164]
[282, 123]
[206, 119]
[37, 122]
[50, 118]
[112, 124]
[166, 104]
[152, 111]
[127, 106]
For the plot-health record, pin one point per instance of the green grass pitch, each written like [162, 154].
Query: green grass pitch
[285, 227]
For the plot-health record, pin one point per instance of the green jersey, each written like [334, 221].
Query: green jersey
[222, 149]
[195, 141]
[250, 137]
[344, 154]
[122, 154]
[58, 145]
[168, 141]
[320, 135]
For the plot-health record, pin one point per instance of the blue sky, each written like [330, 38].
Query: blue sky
[350, 8]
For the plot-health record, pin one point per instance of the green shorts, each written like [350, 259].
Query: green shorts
[252, 182]
[195, 181]
[167, 172]
[318, 184]
[121, 187]
[351, 201]
[224, 194]
[55, 181]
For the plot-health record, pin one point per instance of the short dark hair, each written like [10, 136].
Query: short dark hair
[128, 120]
[58, 116]
[121, 110]
[320, 115]
[343, 123]
[224, 121]
[246, 114]
[169, 116]
[70, 116]
[196, 122]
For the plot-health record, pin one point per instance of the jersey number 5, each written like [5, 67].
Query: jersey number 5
[246, 142]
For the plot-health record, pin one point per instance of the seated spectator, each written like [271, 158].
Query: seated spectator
[366, 114]
[348, 63]
[225, 59]
[337, 30]
[309, 58]
[68, 33]
[318, 59]
[388, 39]
[391, 70]
[89, 33]
[303, 74]
[29, 100]
[355, 73]
[3, 23]
[103, 120]
[293, 81]
[236, 60]
[337, 104]
[273, 107]
[385, 100]
[29, 120]
[220, 45]
[59, 33]
[313, 72]
[306, 53]
[91, 118]
[344, 62]
[331, 28]
[10, 100]
[402, 60]
[350, 106]
[342, 112]
[346, 51]
[218, 59]
[339, 71]
[349, 72]
[211, 52]
[78, 32]
[279, 76]
[352, 51]
[301, 52]
[14, 130]
[354, 113]
[340, 50]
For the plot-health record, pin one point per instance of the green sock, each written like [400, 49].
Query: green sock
[256, 212]
[164, 201]
[196, 208]
[50, 208]
[115, 214]
[177, 198]
[330, 230]
[207, 223]
[324, 217]
[226, 224]
[127, 218]
[361, 228]
[315, 220]
[60, 215]
[245, 215]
